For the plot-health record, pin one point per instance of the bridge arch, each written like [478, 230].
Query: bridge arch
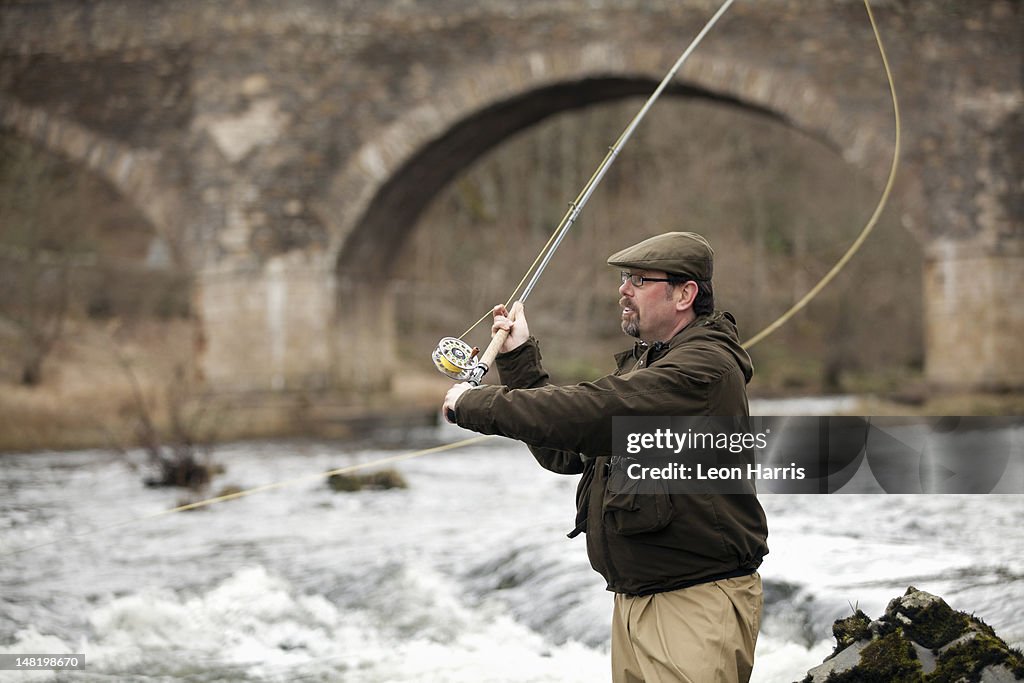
[134, 173]
[375, 199]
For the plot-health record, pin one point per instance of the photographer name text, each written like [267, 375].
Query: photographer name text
[679, 472]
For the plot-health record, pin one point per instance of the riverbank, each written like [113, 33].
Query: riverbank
[102, 382]
[33, 420]
[61, 417]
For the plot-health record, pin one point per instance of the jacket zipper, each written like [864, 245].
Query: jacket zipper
[613, 574]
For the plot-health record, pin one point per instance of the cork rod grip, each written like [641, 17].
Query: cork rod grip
[491, 352]
[497, 341]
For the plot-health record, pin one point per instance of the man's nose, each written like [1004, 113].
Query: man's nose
[625, 287]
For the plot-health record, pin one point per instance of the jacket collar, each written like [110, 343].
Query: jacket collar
[642, 347]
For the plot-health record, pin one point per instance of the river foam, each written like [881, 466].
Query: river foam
[464, 576]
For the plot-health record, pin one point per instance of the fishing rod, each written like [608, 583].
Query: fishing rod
[455, 358]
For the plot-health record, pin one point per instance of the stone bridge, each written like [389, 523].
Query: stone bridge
[285, 148]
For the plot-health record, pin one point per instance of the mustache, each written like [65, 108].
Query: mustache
[624, 303]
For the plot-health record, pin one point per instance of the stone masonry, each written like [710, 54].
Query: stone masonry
[286, 147]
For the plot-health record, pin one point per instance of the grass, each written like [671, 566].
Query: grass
[85, 396]
[86, 399]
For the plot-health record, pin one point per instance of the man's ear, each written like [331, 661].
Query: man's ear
[688, 294]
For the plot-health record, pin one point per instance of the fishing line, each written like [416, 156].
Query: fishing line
[857, 243]
[575, 207]
[258, 489]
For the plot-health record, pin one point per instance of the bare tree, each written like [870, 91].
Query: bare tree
[41, 243]
[174, 429]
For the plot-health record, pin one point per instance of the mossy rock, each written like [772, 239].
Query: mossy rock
[889, 659]
[926, 619]
[851, 629]
[920, 639]
[345, 482]
[384, 479]
[965, 661]
[379, 480]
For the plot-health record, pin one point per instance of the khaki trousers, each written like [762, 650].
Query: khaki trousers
[702, 634]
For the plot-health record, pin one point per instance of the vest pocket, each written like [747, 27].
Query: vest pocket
[634, 506]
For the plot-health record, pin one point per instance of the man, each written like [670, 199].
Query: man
[682, 567]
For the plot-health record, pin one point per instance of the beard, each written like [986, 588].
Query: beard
[631, 325]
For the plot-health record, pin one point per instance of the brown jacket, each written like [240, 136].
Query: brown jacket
[640, 543]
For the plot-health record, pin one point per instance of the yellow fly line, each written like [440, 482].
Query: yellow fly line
[575, 206]
[260, 489]
[872, 221]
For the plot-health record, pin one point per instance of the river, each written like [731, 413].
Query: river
[466, 575]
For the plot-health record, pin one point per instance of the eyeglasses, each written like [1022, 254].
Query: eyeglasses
[639, 280]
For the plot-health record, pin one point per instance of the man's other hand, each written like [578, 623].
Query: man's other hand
[448, 407]
[519, 330]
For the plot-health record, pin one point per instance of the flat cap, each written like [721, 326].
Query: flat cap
[679, 253]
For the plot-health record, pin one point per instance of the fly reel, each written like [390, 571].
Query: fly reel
[455, 358]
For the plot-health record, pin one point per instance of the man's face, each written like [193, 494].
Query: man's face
[648, 311]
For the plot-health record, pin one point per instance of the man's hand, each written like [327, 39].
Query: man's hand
[519, 331]
[448, 407]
